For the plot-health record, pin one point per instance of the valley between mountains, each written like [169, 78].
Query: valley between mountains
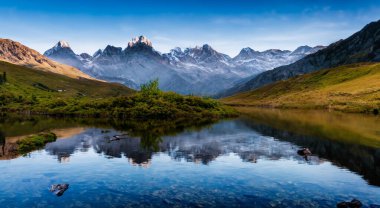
[342, 76]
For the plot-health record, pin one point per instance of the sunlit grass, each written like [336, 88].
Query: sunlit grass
[352, 88]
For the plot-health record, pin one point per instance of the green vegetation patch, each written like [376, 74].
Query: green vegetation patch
[41, 93]
[35, 142]
[149, 103]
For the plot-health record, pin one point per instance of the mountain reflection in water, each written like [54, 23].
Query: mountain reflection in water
[200, 147]
[245, 137]
[243, 162]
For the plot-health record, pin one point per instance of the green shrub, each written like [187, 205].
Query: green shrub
[151, 88]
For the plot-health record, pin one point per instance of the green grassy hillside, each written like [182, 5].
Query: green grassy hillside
[350, 88]
[36, 92]
[27, 82]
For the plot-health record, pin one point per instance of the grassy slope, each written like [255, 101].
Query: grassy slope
[38, 92]
[351, 88]
[27, 82]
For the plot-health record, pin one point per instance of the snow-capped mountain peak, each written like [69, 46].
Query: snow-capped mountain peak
[247, 50]
[246, 54]
[141, 40]
[58, 47]
[63, 44]
[62, 52]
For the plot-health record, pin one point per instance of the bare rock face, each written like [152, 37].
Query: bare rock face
[16, 53]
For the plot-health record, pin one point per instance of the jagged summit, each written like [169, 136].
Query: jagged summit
[247, 49]
[246, 53]
[112, 50]
[206, 47]
[85, 56]
[60, 46]
[139, 41]
[97, 53]
[63, 44]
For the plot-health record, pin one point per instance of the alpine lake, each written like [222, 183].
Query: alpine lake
[250, 161]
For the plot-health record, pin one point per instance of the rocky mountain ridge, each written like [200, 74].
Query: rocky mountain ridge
[199, 70]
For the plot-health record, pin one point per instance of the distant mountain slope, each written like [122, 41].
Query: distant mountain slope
[16, 53]
[363, 46]
[27, 82]
[270, 59]
[352, 88]
[199, 70]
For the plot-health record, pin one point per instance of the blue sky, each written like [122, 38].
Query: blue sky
[228, 26]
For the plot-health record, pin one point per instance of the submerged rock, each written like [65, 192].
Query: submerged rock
[304, 152]
[118, 137]
[59, 189]
[352, 204]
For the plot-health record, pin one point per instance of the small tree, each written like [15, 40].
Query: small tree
[4, 76]
[150, 88]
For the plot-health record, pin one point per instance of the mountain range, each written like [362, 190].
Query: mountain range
[363, 46]
[199, 70]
